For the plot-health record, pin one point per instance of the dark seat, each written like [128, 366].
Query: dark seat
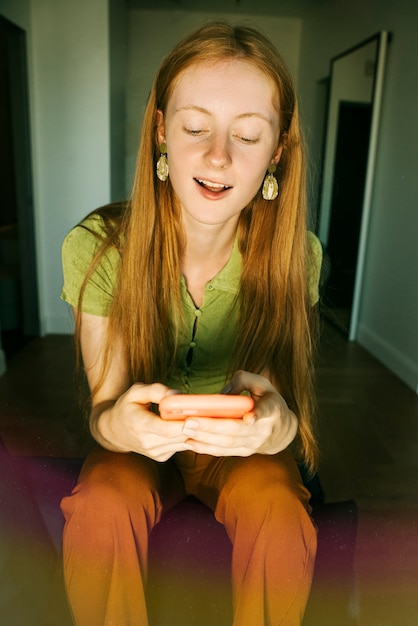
[190, 553]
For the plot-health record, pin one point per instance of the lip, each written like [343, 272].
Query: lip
[212, 189]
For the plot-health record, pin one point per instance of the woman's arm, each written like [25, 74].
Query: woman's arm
[92, 337]
[120, 419]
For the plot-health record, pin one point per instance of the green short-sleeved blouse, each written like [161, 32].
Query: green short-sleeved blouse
[207, 339]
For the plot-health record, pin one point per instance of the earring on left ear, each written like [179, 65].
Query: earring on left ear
[270, 189]
[162, 163]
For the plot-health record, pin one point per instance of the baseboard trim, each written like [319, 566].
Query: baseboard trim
[392, 358]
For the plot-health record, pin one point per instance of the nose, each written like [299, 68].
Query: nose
[218, 151]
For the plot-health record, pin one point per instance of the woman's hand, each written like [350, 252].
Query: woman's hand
[128, 425]
[268, 429]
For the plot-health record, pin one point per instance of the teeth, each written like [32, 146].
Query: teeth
[208, 183]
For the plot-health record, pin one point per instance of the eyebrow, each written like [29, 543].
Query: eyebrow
[241, 116]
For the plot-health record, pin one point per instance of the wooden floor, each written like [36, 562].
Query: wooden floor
[368, 432]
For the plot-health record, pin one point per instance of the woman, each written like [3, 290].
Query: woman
[203, 282]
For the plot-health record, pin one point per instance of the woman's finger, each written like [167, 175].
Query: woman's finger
[256, 384]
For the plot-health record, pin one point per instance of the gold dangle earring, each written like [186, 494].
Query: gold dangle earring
[270, 189]
[162, 163]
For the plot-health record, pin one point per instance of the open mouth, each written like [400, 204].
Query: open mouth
[211, 186]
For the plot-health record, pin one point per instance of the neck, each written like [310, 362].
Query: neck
[209, 245]
[208, 240]
[207, 251]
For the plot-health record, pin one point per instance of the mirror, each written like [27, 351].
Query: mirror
[354, 102]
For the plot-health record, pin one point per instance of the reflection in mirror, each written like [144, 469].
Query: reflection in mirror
[355, 91]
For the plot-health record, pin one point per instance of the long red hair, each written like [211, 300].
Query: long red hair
[277, 322]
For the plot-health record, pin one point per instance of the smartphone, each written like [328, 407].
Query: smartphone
[180, 406]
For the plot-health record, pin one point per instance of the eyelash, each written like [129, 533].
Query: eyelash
[247, 140]
[196, 133]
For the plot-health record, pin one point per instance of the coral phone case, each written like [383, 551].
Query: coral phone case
[180, 406]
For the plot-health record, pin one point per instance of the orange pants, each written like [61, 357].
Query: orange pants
[120, 497]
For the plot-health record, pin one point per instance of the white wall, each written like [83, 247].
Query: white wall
[69, 71]
[146, 51]
[388, 322]
[71, 132]
[68, 58]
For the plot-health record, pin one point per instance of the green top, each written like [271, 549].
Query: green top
[207, 339]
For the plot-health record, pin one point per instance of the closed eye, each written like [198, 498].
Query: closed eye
[194, 132]
[248, 140]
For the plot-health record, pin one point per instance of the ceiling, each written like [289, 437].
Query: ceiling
[291, 8]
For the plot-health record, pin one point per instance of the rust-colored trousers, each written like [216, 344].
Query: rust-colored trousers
[120, 497]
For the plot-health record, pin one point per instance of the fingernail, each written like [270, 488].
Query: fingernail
[227, 389]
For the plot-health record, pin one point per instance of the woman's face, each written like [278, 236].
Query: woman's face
[221, 128]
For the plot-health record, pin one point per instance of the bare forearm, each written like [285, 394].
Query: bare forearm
[99, 421]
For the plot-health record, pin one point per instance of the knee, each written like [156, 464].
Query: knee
[111, 485]
[266, 490]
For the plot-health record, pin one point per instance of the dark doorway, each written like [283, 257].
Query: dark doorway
[346, 208]
[19, 317]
